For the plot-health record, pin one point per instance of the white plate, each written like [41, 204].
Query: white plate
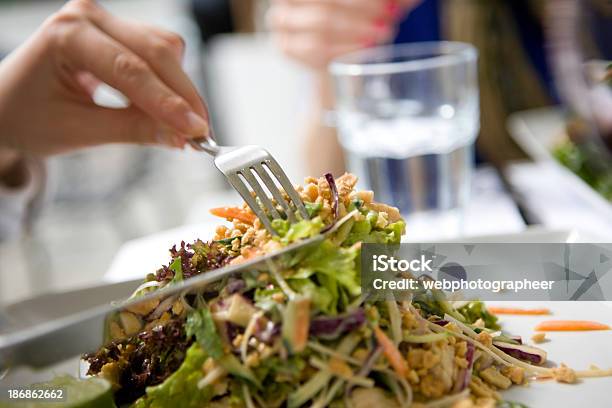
[578, 350]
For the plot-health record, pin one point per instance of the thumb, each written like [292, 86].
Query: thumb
[102, 125]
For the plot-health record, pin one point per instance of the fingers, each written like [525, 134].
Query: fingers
[371, 8]
[106, 125]
[86, 48]
[314, 50]
[316, 31]
[333, 25]
[162, 50]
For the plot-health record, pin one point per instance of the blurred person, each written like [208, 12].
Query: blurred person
[46, 97]
[314, 32]
[513, 71]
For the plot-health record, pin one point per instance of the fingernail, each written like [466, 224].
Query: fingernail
[392, 8]
[381, 26]
[197, 124]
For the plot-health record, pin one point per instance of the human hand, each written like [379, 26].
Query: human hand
[316, 31]
[46, 85]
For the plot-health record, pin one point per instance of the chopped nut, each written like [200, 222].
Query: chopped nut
[415, 358]
[461, 362]
[494, 377]
[464, 403]
[413, 377]
[130, 322]
[392, 212]
[485, 403]
[382, 220]
[361, 354]
[564, 374]
[366, 196]
[430, 359]
[339, 367]
[252, 360]
[480, 389]
[178, 308]
[409, 321]
[116, 331]
[237, 340]
[452, 327]
[485, 338]
[460, 348]
[515, 374]
[143, 308]
[539, 337]
[311, 192]
[111, 373]
[221, 232]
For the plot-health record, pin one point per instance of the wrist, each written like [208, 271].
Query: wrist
[13, 169]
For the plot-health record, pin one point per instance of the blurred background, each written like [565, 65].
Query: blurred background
[99, 198]
[100, 202]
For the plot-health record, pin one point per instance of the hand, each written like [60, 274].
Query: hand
[46, 85]
[316, 31]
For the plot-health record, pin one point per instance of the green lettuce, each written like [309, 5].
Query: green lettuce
[300, 230]
[366, 231]
[320, 296]
[201, 325]
[477, 310]
[177, 268]
[181, 388]
[334, 268]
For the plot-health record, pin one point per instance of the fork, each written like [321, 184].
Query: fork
[251, 169]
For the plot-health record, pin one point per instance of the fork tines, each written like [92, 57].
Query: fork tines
[266, 174]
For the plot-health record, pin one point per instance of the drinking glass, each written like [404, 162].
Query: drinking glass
[408, 116]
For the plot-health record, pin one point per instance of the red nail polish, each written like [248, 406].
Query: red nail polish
[379, 23]
[393, 9]
[381, 26]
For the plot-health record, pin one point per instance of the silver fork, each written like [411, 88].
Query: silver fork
[246, 168]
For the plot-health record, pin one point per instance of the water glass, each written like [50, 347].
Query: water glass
[408, 116]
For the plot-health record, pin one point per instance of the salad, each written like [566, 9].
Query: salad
[297, 332]
[574, 156]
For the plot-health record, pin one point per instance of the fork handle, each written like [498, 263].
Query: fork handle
[205, 144]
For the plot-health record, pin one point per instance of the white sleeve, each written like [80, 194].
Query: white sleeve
[16, 203]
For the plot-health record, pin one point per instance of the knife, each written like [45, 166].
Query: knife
[53, 336]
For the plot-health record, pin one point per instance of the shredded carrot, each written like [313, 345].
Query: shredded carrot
[234, 213]
[391, 352]
[517, 311]
[570, 325]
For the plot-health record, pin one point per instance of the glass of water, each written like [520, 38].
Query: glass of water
[408, 116]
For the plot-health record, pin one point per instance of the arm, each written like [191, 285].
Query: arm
[46, 96]
[21, 182]
[46, 85]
